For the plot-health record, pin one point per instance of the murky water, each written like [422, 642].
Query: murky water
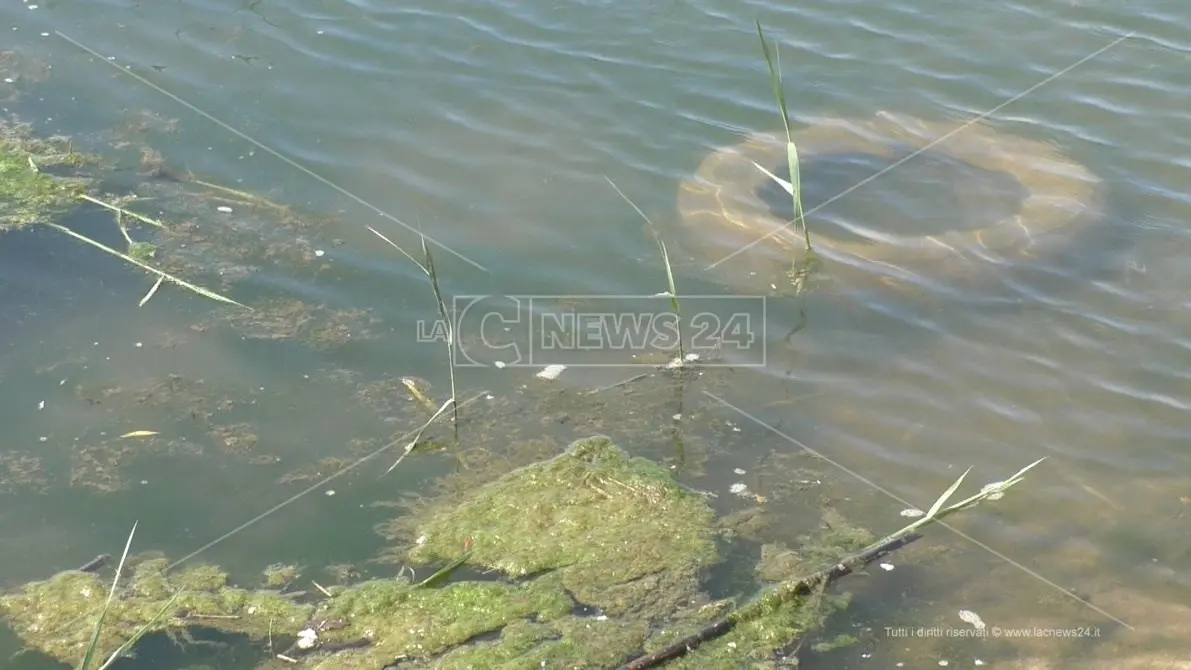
[493, 128]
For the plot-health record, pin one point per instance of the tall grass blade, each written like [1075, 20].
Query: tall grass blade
[671, 289]
[427, 267]
[775, 80]
[140, 632]
[152, 291]
[934, 509]
[120, 211]
[1019, 475]
[399, 249]
[94, 644]
[417, 436]
[673, 294]
[444, 572]
[786, 186]
[442, 314]
[937, 512]
[773, 61]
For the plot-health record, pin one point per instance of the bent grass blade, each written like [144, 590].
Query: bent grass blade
[161, 274]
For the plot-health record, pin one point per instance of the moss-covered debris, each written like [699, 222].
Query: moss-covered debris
[617, 528]
[28, 193]
[57, 616]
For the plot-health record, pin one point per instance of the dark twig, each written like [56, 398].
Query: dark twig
[783, 592]
[96, 563]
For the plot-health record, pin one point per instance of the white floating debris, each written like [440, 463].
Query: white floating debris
[886, 566]
[679, 362]
[738, 488]
[330, 492]
[973, 618]
[944, 663]
[224, 209]
[994, 485]
[739, 471]
[307, 638]
[500, 364]
[677, 417]
[551, 372]
[978, 662]
[912, 513]
[319, 253]
[489, 396]
[41, 405]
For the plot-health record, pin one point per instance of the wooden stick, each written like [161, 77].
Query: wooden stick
[95, 563]
[783, 591]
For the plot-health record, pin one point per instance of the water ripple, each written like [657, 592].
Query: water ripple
[495, 123]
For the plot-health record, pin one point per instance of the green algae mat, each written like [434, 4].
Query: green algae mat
[585, 560]
[34, 184]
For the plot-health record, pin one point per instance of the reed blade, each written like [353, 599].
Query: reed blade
[773, 61]
[775, 79]
[89, 656]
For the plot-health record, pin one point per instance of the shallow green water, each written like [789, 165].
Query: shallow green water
[492, 126]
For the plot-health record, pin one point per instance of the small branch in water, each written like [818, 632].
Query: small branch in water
[96, 563]
[784, 591]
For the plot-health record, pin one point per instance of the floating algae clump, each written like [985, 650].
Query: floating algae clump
[602, 556]
[396, 619]
[591, 527]
[27, 193]
[57, 616]
[617, 528]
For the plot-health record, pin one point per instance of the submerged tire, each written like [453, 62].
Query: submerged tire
[723, 209]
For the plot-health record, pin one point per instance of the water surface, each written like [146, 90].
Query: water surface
[493, 127]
